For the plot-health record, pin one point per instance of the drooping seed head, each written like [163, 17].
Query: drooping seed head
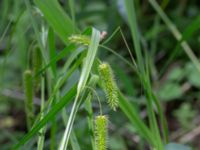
[109, 85]
[101, 127]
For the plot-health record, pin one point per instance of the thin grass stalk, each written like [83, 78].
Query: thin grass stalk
[65, 100]
[53, 128]
[135, 119]
[150, 101]
[154, 100]
[65, 139]
[73, 140]
[87, 66]
[36, 30]
[75, 107]
[88, 107]
[176, 34]
[72, 11]
[42, 130]
[130, 9]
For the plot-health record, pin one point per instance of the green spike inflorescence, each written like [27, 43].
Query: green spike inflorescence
[28, 90]
[101, 127]
[109, 85]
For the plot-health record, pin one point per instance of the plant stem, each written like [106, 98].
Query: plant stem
[65, 139]
[42, 130]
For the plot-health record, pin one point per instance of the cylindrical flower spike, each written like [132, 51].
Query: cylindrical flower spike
[28, 89]
[109, 85]
[101, 133]
[37, 65]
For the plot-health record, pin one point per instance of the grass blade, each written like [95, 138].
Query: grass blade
[57, 18]
[133, 116]
[55, 109]
[176, 34]
[187, 33]
[130, 9]
[92, 50]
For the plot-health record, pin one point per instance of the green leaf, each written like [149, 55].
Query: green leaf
[174, 146]
[52, 49]
[170, 91]
[57, 18]
[192, 74]
[92, 50]
[185, 114]
[117, 143]
[177, 34]
[176, 74]
[186, 34]
[135, 119]
[56, 58]
[87, 66]
[130, 11]
[55, 109]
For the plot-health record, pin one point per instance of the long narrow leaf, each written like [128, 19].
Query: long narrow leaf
[55, 109]
[92, 50]
[57, 18]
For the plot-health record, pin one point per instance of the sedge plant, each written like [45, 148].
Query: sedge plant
[80, 54]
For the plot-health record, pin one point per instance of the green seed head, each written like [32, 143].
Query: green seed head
[37, 65]
[101, 126]
[109, 85]
[79, 39]
[28, 90]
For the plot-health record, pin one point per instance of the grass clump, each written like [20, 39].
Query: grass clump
[66, 73]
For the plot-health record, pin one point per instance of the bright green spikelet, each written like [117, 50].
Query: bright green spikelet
[101, 133]
[109, 85]
[28, 90]
[79, 39]
[37, 65]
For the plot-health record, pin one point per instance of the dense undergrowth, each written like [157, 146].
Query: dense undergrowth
[97, 75]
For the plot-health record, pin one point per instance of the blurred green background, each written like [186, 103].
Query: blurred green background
[175, 79]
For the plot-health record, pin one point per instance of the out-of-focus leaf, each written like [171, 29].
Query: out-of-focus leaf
[174, 146]
[192, 75]
[176, 74]
[117, 143]
[185, 115]
[170, 91]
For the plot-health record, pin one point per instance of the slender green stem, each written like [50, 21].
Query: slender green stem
[72, 11]
[42, 130]
[176, 34]
[119, 56]
[53, 128]
[65, 139]
[72, 138]
[90, 120]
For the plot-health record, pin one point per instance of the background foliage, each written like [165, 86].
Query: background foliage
[174, 73]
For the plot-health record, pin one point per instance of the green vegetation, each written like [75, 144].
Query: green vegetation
[97, 75]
